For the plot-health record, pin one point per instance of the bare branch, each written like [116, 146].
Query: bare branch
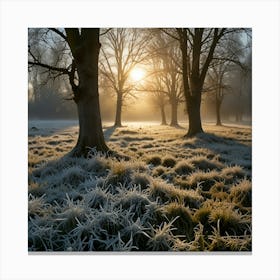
[49, 67]
[105, 32]
[59, 33]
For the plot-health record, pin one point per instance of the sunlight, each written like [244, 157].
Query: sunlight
[137, 74]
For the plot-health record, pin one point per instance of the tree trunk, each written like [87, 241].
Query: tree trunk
[174, 117]
[193, 105]
[85, 49]
[163, 116]
[118, 120]
[90, 127]
[194, 73]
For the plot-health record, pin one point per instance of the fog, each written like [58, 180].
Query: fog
[51, 104]
[148, 87]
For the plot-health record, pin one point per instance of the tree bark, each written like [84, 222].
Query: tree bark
[90, 127]
[85, 50]
[118, 117]
[193, 106]
[194, 72]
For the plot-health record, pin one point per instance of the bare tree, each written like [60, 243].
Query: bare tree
[166, 73]
[154, 85]
[79, 62]
[242, 90]
[123, 49]
[217, 87]
[197, 47]
[230, 69]
[171, 75]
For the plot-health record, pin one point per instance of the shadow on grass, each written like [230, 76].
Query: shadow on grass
[108, 132]
[230, 150]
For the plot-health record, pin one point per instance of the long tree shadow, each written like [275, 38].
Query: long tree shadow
[108, 132]
[230, 150]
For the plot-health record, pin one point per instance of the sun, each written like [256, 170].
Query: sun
[137, 74]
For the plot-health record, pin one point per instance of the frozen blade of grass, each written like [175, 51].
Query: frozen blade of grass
[228, 242]
[44, 237]
[97, 197]
[162, 238]
[117, 244]
[198, 244]
[183, 218]
[36, 205]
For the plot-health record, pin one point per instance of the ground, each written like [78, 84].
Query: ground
[173, 194]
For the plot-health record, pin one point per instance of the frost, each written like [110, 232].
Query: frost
[174, 194]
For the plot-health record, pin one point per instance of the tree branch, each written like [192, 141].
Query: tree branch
[59, 33]
[105, 32]
[49, 67]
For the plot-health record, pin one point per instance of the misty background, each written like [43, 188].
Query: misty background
[51, 98]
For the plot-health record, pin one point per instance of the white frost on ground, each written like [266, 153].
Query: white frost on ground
[174, 194]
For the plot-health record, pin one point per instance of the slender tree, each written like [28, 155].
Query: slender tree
[81, 68]
[216, 79]
[154, 85]
[231, 69]
[166, 78]
[123, 49]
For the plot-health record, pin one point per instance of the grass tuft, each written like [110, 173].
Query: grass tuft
[168, 161]
[154, 160]
[205, 164]
[242, 193]
[183, 222]
[184, 167]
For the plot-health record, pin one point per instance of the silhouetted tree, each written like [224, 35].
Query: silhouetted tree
[81, 67]
[218, 87]
[155, 86]
[123, 49]
[166, 74]
[197, 47]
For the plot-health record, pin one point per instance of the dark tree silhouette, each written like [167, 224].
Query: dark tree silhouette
[123, 49]
[82, 71]
[166, 78]
[197, 47]
[218, 87]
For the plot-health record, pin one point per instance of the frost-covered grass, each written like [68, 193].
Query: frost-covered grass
[174, 194]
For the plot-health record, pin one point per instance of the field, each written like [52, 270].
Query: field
[172, 194]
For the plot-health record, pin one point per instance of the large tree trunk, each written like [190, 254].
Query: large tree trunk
[193, 105]
[174, 117]
[118, 118]
[85, 49]
[90, 126]
[194, 73]
[163, 116]
[192, 94]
